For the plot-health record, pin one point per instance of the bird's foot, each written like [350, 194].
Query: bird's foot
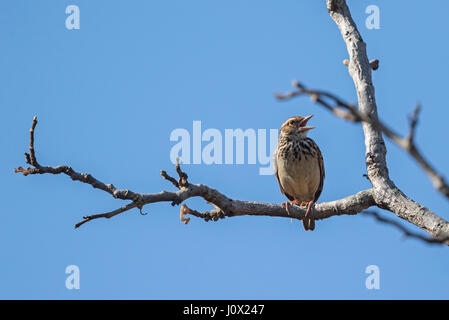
[310, 206]
[286, 204]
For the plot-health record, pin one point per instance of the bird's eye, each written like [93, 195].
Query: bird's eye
[291, 123]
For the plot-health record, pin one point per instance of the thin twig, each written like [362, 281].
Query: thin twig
[406, 232]
[107, 214]
[413, 121]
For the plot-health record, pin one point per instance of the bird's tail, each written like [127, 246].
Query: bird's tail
[308, 222]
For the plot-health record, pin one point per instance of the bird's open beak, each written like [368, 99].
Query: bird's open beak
[305, 120]
[302, 125]
[305, 129]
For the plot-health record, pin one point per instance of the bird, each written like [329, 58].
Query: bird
[299, 166]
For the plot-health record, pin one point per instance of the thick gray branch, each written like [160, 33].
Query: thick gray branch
[360, 71]
[386, 194]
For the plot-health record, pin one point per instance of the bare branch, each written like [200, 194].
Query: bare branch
[169, 178]
[326, 99]
[413, 121]
[348, 111]
[107, 214]
[32, 157]
[214, 214]
[223, 206]
[386, 194]
[405, 231]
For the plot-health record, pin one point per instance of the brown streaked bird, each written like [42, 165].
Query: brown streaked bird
[299, 167]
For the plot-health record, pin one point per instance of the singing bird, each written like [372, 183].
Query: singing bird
[299, 167]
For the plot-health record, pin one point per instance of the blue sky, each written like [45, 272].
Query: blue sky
[107, 97]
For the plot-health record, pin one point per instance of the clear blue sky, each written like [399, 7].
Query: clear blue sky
[108, 96]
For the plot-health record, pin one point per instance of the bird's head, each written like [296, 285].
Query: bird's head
[296, 127]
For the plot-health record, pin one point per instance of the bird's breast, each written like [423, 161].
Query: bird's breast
[298, 169]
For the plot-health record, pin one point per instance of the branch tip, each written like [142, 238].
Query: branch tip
[413, 122]
[297, 84]
[405, 232]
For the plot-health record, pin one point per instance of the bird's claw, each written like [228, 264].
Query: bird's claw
[285, 204]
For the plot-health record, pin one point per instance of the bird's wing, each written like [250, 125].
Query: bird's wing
[321, 166]
[275, 166]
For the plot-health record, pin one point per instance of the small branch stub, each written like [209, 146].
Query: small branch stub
[374, 64]
[184, 210]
